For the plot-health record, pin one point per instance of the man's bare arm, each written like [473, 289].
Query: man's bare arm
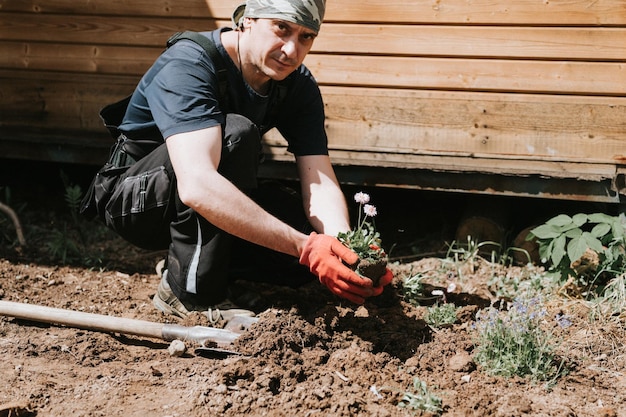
[324, 202]
[195, 157]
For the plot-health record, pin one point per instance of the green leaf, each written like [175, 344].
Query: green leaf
[576, 248]
[560, 220]
[545, 231]
[558, 250]
[545, 251]
[593, 242]
[618, 228]
[573, 233]
[568, 227]
[579, 219]
[601, 229]
[600, 218]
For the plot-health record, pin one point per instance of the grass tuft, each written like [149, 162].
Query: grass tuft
[420, 398]
[439, 316]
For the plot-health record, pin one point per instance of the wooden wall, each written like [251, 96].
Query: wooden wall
[519, 97]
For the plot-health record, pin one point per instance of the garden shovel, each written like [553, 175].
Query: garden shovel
[103, 323]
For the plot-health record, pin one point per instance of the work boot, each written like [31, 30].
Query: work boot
[165, 301]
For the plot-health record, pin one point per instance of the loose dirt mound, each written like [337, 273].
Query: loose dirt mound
[309, 354]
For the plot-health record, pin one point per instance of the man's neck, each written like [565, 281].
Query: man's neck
[259, 82]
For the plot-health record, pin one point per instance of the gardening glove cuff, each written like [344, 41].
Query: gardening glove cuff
[323, 254]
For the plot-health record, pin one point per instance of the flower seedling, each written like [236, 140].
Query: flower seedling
[365, 241]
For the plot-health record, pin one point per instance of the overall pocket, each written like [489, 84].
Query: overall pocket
[99, 192]
[137, 210]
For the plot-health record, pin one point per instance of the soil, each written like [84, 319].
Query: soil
[310, 354]
[373, 269]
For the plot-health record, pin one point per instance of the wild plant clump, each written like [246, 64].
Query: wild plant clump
[413, 289]
[441, 315]
[421, 398]
[588, 248]
[512, 342]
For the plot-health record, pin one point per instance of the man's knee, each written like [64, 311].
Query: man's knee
[241, 135]
[241, 151]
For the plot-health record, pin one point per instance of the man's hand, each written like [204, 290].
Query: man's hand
[323, 255]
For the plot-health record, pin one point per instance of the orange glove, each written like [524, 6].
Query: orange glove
[323, 255]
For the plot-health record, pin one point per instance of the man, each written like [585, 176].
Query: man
[196, 191]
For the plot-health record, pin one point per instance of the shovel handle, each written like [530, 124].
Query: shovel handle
[103, 323]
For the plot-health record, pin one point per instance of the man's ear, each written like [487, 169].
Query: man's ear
[247, 22]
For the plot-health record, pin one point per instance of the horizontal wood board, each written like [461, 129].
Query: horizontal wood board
[551, 43]
[461, 12]
[507, 88]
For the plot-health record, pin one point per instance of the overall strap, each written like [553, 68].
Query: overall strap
[211, 50]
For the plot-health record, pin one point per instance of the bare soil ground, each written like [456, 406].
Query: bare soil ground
[310, 354]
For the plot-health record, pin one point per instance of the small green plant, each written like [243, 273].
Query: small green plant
[563, 240]
[67, 242]
[420, 398]
[467, 258]
[513, 343]
[62, 246]
[612, 301]
[468, 252]
[365, 241]
[489, 250]
[73, 197]
[529, 283]
[441, 315]
[413, 289]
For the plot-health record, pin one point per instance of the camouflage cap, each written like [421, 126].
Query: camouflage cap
[307, 13]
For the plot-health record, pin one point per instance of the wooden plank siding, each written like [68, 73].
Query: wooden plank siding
[527, 96]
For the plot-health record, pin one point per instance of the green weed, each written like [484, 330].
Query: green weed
[62, 246]
[512, 342]
[469, 252]
[528, 284]
[588, 247]
[67, 243]
[420, 398]
[612, 301]
[73, 197]
[413, 289]
[439, 316]
[469, 256]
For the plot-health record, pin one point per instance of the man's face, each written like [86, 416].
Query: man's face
[277, 47]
